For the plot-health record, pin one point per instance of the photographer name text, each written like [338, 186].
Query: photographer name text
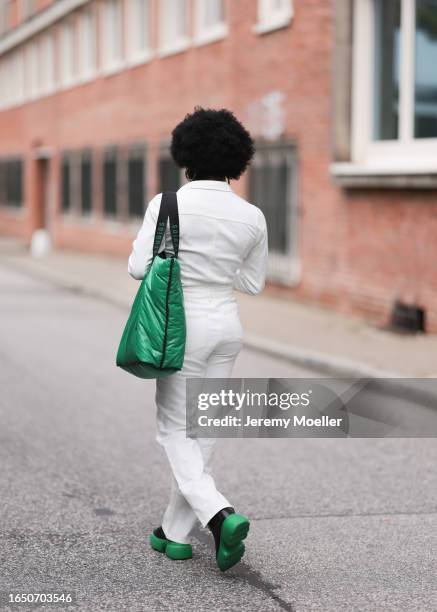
[285, 422]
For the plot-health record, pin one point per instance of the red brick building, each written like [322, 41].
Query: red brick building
[341, 96]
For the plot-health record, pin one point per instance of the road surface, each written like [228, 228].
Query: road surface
[335, 524]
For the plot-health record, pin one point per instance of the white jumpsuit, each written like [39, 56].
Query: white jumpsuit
[223, 246]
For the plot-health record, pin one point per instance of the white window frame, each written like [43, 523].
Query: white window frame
[46, 49]
[166, 46]
[270, 19]
[87, 52]
[137, 54]
[67, 77]
[2, 84]
[15, 77]
[4, 14]
[111, 64]
[208, 34]
[32, 70]
[406, 154]
[7, 75]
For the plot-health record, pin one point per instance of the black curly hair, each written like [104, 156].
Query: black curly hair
[212, 144]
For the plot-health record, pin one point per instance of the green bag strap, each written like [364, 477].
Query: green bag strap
[167, 210]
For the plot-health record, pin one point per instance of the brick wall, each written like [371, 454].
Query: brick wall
[359, 249]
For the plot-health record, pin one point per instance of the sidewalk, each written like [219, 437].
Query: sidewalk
[325, 340]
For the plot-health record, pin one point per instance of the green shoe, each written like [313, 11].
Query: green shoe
[229, 529]
[173, 550]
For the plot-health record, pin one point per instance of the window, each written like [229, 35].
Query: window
[67, 54]
[112, 36]
[387, 62]
[136, 179]
[139, 38]
[2, 82]
[18, 77]
[27, 8]
[210, 21]
[47, 63]
[12, 79]
[110, 183]
[173, 25]
[4, 16]
[86, 182]
[272, 187]
[18, 83]
[14, 182]
[273, 14]
[169, 172]
[32, 70]
[425, 85]
[76, 182]
[11, 182]
[395, 93]
[2, 183]
[87, 45]
[66, 182]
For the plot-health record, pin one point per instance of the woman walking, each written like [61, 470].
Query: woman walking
[223, 246]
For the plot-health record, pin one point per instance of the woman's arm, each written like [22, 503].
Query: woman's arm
[142, 247]
[251, 276]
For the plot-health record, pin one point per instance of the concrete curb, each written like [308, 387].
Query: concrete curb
[328, 364]
[395, 384]
[320, 362]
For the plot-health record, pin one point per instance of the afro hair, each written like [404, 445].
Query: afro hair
[212, 143]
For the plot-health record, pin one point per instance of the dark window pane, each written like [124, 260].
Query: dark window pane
[425, 111]
[66, 183]
[86, 185]
[169, 175]
[136, 183]
[14, 182]
[110, 182]
[387, 69]
[279, 204]
[2, 182]
[269, 180]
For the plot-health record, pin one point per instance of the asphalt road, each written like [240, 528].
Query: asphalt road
[335, 524]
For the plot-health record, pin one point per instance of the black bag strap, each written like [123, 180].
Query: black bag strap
[168, 210]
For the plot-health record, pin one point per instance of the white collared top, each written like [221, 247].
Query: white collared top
[223, 238]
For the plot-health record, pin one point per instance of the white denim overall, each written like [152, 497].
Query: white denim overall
[223, 247]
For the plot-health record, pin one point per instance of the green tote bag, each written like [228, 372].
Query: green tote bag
[153, 341]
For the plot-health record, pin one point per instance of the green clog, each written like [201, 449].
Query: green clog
[234, 529]
[173, 550]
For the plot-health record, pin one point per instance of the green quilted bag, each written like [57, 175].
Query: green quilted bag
[153, 341]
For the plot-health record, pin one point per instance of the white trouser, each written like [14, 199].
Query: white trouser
[214, 339]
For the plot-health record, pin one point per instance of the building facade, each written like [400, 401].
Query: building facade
[341, 97]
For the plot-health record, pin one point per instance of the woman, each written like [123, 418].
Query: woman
[223, 246]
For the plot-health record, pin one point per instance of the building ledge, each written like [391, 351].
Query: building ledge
[214, 34]
[39, 22]
[277, 23]
[393, 176]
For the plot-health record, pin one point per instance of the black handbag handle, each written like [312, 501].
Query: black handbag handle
[168, 210]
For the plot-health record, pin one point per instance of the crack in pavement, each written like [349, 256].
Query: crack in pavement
[252, 577]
